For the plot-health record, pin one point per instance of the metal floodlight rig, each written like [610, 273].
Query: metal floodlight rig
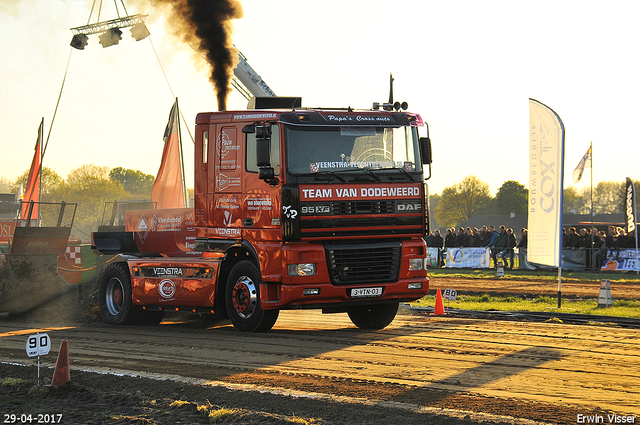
[110, 31]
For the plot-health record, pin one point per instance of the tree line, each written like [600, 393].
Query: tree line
[471, 197]
[90, 187]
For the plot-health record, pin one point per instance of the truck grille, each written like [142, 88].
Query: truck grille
[363, 207]
[351, 264]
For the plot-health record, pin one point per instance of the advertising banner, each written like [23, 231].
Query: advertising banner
[7, 227]
[546, 173]
[432, 257]
[624, 260]
[468, 257]
[630, 207]
[170, 231]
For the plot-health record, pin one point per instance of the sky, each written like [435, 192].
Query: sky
[467, 67]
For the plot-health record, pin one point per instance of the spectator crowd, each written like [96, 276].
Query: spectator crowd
[503, 241]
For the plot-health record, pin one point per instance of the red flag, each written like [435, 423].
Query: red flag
[32, 191]
[167, 190]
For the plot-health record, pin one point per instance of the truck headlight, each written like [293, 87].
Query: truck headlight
[305, 269]
[417, 263]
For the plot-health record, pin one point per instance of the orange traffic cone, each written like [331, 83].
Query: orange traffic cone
[439, 306]
[62, 374]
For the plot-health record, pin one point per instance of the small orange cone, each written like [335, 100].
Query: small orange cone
[439, 306]
[62, 374]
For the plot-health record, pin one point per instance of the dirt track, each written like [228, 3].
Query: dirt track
[406, 373]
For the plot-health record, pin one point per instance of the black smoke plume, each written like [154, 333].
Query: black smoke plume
[206, 25]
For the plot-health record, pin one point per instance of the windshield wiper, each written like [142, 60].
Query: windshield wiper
[371, 171]
[404, 171]
[326, 173]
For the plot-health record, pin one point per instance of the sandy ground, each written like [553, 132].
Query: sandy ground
[314, 368]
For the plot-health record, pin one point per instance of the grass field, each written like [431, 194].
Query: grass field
[620, 308]
[546, 275]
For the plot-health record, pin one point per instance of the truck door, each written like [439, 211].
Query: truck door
[226, 181]
[261, 200]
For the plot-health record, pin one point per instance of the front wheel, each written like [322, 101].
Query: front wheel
[376, 316]
[116, 306]
[242, 298]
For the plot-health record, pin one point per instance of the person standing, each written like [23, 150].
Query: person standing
[509, 244]
[450, 238]
[438, 242]
[461, 238]
[523, 238]
[500, 244]
[475, 240]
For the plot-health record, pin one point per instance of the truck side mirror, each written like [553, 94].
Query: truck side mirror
[263, 154]
[425, 150]
[263, 145]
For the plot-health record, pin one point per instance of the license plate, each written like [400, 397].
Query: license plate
[366, 292]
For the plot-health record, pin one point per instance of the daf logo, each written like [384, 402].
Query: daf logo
[408, 207]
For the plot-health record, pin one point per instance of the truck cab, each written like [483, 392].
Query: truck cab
[297, 208]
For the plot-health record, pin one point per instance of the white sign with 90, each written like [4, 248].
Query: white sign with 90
[38, 345]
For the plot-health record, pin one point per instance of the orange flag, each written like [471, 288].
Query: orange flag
[32, 191]
[167, 190]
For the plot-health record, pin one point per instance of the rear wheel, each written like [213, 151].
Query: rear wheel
[376, 316]
[116, 307]
[242, 298]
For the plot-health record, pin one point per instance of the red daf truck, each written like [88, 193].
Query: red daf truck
[294, 208]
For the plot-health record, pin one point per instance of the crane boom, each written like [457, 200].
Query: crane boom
[248, 82]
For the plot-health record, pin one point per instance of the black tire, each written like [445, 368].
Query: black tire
[377, 316]
[116, 306]
[242, 299]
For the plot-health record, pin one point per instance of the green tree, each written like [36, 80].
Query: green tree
[462, 201]
[512, 197]
[433, 204]
[134, 181]
[5, 185]
[573, 201]
[50, 181]
[90, 187]
[608, 198]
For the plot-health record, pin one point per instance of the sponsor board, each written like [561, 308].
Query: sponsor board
[467, 257]
[170, 231]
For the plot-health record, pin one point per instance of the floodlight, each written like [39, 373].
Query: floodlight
[139, 31]
[110, 37]
[79, 41]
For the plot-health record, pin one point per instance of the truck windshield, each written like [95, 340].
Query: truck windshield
[323, 150]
